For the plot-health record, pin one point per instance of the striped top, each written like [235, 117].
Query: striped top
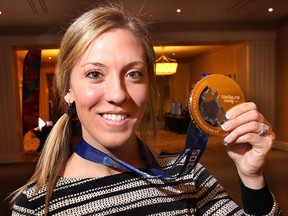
[197, 193]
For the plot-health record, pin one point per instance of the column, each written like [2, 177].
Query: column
[11, 138]
[261, 67]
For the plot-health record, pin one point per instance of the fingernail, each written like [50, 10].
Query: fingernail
[225, 126]
[226, 140]
[229, 115]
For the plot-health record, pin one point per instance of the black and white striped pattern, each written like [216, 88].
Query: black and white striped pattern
[129, 194]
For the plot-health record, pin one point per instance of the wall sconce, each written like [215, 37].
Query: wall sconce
[165, 65]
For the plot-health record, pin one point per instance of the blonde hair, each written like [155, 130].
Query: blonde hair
[78, 37]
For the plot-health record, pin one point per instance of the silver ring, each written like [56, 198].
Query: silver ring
[264, 129]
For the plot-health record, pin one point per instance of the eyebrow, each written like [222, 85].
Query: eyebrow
[136, 63]
[94, 63]
[103, 65]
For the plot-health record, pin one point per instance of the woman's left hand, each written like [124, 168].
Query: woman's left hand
[248, 143]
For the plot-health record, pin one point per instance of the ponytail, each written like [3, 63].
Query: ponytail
[56, 152]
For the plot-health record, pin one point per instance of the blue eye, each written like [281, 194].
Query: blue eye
[94, 74]
[134, 74]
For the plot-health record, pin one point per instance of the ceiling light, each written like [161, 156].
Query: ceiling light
[165, 65]
[270, 9]
[178, 10]
[0, 12]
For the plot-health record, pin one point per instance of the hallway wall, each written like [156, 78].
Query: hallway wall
[281, 90]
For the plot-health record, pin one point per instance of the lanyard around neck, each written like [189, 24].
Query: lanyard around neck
[196, 141]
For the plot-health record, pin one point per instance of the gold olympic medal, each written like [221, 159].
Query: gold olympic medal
[209, 101]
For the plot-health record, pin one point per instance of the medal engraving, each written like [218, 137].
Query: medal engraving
[210, 109]
[209, 101]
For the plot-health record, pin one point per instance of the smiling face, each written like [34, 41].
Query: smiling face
[109, 85]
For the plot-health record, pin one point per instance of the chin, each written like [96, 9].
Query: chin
[118, 140]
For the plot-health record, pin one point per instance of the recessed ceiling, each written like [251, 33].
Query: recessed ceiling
[55, 12]
[51, 16]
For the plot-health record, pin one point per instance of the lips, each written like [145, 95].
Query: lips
[114, 117]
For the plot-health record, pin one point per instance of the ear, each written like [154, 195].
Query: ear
[68, 98]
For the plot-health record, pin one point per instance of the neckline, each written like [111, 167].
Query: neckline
[61, 177]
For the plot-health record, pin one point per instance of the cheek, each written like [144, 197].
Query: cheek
[84, 96]
[141, 97]
[90, 93]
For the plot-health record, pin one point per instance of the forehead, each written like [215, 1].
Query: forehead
[122, 41]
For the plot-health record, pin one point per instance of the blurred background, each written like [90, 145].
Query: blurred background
[244, 39]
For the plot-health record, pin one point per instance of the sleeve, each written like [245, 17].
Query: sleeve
[22, 206]
[259, 202]
[215, 201]
[211, 198]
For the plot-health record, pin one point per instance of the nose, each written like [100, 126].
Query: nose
[116, 90]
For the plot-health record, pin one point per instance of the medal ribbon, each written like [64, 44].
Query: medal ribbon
[196, 141]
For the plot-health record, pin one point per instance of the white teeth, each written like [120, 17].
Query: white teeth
[114, 117]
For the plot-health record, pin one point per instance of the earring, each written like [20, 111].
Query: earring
[69, 103]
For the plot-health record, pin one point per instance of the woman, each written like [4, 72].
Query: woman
[105, 76]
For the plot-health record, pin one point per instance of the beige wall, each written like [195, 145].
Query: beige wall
[224, 61]
[281, 91]
[44, 112]
[180, 85]
[20, 63]
[174, 88]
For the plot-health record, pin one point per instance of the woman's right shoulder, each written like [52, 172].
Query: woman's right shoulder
[25, 203]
